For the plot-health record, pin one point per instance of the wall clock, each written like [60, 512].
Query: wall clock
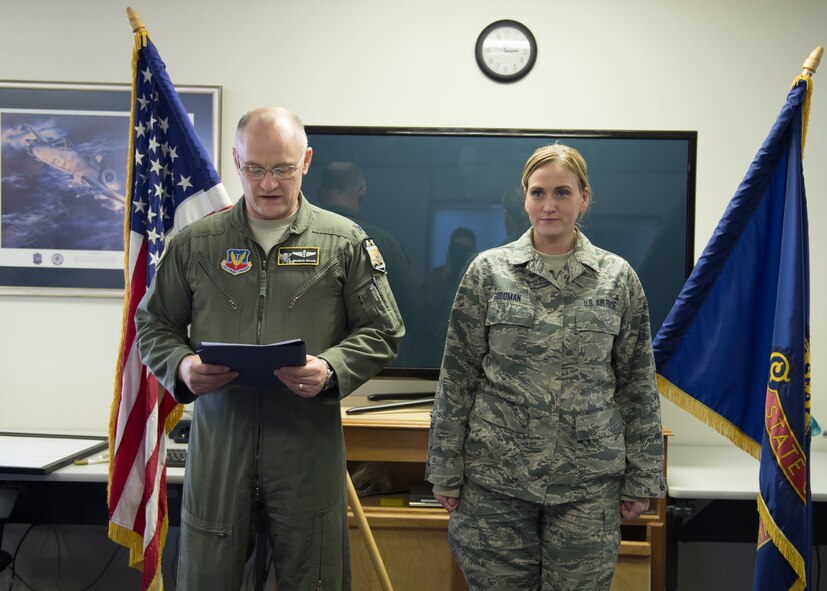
[506, 51]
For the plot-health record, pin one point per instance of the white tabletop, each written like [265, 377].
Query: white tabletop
[693, 472]
[719, 472]
[89, 473]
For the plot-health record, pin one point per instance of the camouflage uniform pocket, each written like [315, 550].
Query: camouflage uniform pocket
[509, 326]
[496, 438]
[597, 329]
[601, 447]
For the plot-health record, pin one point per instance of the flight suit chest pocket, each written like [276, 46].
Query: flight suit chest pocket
[211, 288]
[509, 325]
[325, 281]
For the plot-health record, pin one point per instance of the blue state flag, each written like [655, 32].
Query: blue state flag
[734, 351]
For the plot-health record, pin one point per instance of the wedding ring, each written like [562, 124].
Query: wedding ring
[301, 386]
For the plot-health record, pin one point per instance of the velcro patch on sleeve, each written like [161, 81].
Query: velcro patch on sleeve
[376, 260]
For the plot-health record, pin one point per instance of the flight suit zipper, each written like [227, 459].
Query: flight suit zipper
[217, 533]
[374, 291]
[257, 488]
[321, 555]
[262, 296]
[257, 470]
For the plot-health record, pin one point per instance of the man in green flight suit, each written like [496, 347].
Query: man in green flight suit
[272, 268]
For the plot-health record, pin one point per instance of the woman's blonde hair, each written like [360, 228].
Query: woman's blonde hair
[565, 155]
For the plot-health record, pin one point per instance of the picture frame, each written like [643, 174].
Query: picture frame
[41, 454]
[60, 143]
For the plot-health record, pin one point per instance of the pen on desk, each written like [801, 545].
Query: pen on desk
[103, 459]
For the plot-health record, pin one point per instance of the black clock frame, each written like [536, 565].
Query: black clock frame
[506, 77]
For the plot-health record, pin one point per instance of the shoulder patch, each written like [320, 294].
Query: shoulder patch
[376, 260]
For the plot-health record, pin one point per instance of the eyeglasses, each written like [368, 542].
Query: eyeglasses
[257, 173]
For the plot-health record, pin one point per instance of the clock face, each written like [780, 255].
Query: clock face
[506, 51]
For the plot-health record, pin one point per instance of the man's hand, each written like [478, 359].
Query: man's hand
[633, 509]
[449, 503]
[305, 380]
[203, 378]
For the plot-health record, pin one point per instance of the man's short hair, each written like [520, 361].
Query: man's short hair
[274, 114]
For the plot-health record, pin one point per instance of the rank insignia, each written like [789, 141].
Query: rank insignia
[237, 261]
[298, 255]
[376, 260]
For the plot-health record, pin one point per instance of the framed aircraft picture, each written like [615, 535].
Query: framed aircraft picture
[63, 182]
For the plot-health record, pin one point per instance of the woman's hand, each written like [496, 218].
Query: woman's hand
[450, 503]
[631, 510]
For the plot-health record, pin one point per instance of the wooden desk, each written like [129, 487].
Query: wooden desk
[413, 541]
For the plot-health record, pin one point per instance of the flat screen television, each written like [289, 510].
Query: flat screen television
[438, 196]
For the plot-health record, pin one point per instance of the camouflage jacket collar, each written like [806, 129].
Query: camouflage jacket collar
[584, 255]
[585, 252]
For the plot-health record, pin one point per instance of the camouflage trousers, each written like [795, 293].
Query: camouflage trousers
[505, 544]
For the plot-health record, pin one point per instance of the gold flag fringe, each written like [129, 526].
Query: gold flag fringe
[805, 108]
[785, 547]
[693, 406]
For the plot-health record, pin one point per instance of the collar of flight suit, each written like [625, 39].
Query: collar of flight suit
[301, 222]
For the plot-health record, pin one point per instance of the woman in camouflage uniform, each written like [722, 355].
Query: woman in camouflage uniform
[546, 428]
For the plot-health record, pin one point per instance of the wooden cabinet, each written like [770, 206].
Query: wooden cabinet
[413, 541]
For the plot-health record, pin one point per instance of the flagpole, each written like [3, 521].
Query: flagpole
[135, 20]
[370, 543]
[810, 67]
[137, 24]
[811, 63]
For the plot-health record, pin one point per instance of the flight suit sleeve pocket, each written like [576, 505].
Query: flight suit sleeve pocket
[371, 304]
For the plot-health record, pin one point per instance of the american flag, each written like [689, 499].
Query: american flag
[171, 183]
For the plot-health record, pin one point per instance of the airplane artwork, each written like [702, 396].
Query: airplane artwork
[61, 155]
